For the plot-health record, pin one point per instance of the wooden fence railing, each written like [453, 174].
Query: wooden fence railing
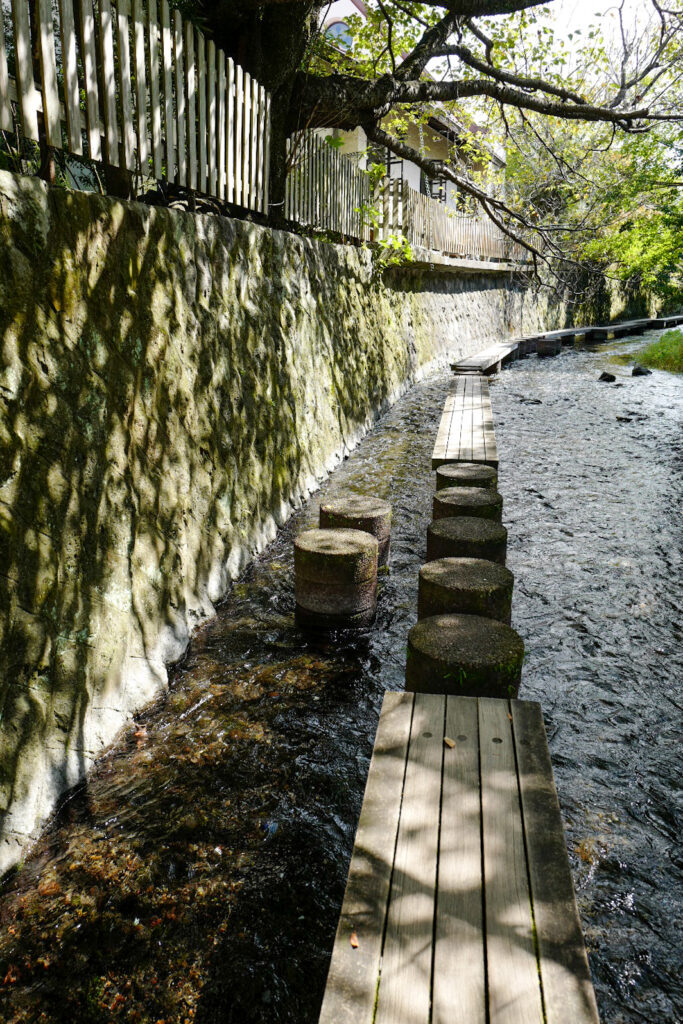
[429, 224]
[326, 190]
[136, 87]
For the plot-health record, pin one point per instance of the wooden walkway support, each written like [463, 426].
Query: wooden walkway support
[466, 430]
[459, 906]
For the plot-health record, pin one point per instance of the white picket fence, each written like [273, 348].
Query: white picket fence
[139, 88]
[326, 191]
[429, 224]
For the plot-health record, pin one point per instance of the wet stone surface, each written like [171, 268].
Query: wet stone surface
[198, 876]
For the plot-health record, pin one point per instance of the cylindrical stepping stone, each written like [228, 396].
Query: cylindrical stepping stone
[548, 347]
[481, 502]
[360, 512]
[465, 586]
[466, 655]
[466, 474]
[335, 578]
[467, 537]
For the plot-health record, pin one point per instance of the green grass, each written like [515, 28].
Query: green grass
[665, 354]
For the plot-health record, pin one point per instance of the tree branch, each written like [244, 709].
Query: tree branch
[535, 84]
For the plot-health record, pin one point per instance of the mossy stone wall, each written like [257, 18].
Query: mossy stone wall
[171, 386]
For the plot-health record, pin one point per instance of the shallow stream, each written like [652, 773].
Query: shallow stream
[198, 876]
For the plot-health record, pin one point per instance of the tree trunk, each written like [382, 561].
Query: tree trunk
[270, 43]
[279, 134]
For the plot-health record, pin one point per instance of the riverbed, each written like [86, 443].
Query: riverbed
[198, 875]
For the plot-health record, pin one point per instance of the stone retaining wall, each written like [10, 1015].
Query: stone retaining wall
[171, 386]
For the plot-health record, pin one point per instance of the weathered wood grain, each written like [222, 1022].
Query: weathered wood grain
[567, 987]
[352, 978]
[459, 992]
[514, 995]
[405, 983]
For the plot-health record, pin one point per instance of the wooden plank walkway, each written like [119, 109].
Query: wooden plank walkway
[466, 431]
[490, 359]
[617, 330]
[459, 905]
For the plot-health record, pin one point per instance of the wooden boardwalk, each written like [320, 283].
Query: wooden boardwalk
[459, 906]
[466, 429]
[493, 357]
[490, 359]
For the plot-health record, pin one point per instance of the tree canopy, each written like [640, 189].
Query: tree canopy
[591, 122]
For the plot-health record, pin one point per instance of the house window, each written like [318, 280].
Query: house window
[435, 188]
[393, 165]
[339, 35]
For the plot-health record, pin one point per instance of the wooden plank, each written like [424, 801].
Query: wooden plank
[513, 980]
[125, 93]
[154, 39]
[230, 133]
[89, 58]
[48, 74]
[448, 436]
[246, 140]
[465, 448]
[111, 131]
[238, 103]
[352, 978]
[479, 412]
[491, 456]
[211, 113]
[28, 96]
[253, 174]
[140, 86]
[459, 991]
[266, 158]
[191, 97]
[201, 86]
[181, 107]
[444, 430]
[260, 199]
[70, 72]
[6, 119]
[167, 84]
[405, 984]
[223, 136]
[565, 976]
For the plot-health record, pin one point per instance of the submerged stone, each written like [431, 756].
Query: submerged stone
[466, 474]
[360, 512]
[467, 655]
[481, 502]
[335, 578]
[467, 537]
[471, 586]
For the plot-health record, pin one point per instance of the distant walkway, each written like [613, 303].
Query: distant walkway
[490, 359]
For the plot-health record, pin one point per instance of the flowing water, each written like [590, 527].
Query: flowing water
[198, 876]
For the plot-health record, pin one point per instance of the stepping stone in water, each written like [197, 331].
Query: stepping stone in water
[336, 578]
[466, 655]
[360, 512]
[468, 586]
[481, 502]
[467, 537]
[548, 347]
[466, 474]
